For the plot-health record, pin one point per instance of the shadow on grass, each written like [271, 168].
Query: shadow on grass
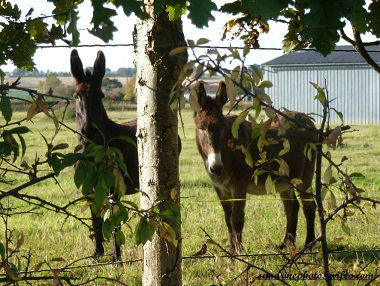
[362, 253]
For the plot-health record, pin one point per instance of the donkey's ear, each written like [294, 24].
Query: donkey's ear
[221, 94]
[76, 67]
[99, 66]
[201, 93]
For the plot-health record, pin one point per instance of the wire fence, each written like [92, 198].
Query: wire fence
[196, 46]
[375, 252]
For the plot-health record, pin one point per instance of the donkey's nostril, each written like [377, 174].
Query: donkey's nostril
[216, 170]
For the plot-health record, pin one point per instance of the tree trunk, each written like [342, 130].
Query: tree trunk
[157, 131]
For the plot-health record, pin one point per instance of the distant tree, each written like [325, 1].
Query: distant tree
[111, 83]
[55, 84]
[19, 72]
[129, 89]
[125, 72]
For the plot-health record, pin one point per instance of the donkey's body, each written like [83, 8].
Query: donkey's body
[90, 112]
[232, 177]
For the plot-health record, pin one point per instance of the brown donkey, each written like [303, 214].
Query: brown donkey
[232, 177]
[89, 112]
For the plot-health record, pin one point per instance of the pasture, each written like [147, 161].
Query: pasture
[48, 235]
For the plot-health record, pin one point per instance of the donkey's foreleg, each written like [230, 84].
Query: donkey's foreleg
[97, 224]
[116, 252]
[291, 207]
[309, 208]
[227, 209]
[237, 218]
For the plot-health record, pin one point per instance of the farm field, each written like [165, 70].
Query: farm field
[48, 235]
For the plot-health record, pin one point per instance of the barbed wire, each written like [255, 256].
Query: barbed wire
[195, 257]
[196, 46]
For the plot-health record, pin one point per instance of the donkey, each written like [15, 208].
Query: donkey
[232, 177]
[89, 112]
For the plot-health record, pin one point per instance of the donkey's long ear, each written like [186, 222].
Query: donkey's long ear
[99, 66]
[76, 67]
[201, 93]
[221, 94]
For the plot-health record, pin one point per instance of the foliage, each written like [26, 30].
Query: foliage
[310, 23]
[110, 83]
[129, 89]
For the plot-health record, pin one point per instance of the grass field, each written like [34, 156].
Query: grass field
[49, 235]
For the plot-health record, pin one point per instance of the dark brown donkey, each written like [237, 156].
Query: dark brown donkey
[232, 177]
[89, 112]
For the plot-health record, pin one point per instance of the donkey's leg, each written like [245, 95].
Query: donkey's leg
[227, 208]
[97, 224]
[309, 208]
[238, 219]
[116, 253]
[291, 207]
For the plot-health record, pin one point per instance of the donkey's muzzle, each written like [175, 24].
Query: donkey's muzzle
[214, 164]
[216, 170]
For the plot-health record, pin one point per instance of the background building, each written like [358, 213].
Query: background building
[351, 83]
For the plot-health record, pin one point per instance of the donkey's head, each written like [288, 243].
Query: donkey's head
[88, 94]
[210, 127]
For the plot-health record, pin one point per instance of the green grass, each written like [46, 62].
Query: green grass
[49, 235]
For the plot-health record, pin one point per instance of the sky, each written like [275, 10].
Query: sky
[57, 59]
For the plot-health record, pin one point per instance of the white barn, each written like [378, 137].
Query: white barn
[353, 85]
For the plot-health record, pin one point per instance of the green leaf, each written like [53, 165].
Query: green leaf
[80, 175]
[373, 18]
[178, 50]
[202, 41]
[2, 251]
[23, 145]
[17, 130]
[55, 163]
[269, 185]
[266, 9]
[248, 158]
[265, 84]
[132, 204]
[171, 213]
[5, 149]
[37, 29]
[323, 19]
[286, 147]
[72, 27]
[120, 237]
[200, 12]
[107, 229]
[132, 6]
[321, 96]
[70, 159]
[90, 180]
[356, 175]
[346, 229]
[232, 8]
[103, 25]
[176, 11]
[328, 174]
[100, 193]
[6, 108]
[144, 231]
[60, 146]
[235, 126]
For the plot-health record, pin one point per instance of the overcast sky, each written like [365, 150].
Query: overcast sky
[57, 59]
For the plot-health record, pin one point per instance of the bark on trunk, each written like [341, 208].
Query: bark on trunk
[157, 133]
